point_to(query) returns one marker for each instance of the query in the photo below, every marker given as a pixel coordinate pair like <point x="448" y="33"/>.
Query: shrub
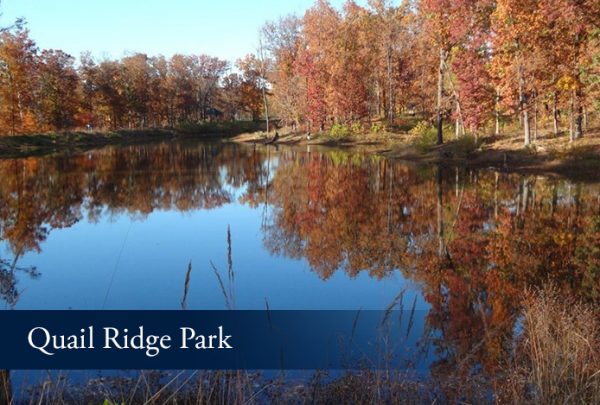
<point x="466" y="144"/>
<point x="340" y="131"/>
<point x="356" y="128"/>
<point x="420" y="128"/>
<point x="423" y="135"/>
<point x="378" y="128"/>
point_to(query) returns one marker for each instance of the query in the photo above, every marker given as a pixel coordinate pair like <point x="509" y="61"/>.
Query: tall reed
<point x="557" y="359"/>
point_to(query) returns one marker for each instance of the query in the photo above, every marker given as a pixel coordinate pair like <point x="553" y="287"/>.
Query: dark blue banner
<point x="211" y="339"/>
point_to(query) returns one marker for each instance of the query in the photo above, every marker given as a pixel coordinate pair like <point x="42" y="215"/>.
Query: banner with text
<point x="213" y="340"/>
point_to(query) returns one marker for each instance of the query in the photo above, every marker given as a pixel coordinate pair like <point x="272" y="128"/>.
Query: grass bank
<point x="35" y="144"/>
<point x="549" y="154"/>
<point x="410" y="141"/>
<point x="43" y="143"/>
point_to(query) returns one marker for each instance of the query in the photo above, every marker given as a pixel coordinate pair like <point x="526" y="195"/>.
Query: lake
<point x="300" y="228"/>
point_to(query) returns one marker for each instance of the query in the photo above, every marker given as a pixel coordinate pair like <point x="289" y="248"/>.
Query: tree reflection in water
<point x="472" y="240"/>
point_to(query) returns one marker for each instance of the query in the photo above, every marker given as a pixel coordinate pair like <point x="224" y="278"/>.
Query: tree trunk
<point x="496" y="185"/>
<point x="572" y="118"/>
<point x="526" y="131"/>
<point x="5" y="387"/>
<point x="523" y="108"/>
<point x="578" y="115"/>
<point x="439" y="212"/>
<point x="456" y="182"/>
<point x="579" y="123"/>
<point x="440" y="94"/>
<point x="460" y="127"/>
<point x="12" y="106"/>
<point x="555" y="113"/>
<point x="526" y="190"/>
<point x="457" y="129"/>
<point x="554" y="199"/>
<point x="379" y="99"/>
<point x="497" y="113"/>
<point x="264" y="94"/>
<point x="497" y="131"/>
<point x="390" y="87"/>
<point x="535" y="120"/>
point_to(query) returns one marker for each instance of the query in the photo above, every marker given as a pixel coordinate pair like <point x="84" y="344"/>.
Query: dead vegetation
<point x="557" y="358"/>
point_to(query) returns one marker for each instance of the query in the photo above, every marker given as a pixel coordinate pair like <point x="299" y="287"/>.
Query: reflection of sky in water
<point x="326" y="210"/>
<point x="331" y="210"/>
<point x="77" y="264"/>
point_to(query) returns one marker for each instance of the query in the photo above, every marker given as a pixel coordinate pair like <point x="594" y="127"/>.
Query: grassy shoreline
<point x="36" y="144"/>
<point x="550" y="155"/>
<point x="18" y="146"/>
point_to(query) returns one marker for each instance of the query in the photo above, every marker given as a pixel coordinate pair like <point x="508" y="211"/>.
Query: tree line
<point x="477" y="63"/>
<point x="49" y="90"/>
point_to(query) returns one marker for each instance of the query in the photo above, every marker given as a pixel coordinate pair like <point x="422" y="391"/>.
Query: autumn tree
<point x="281" y="41"/>
<point x="109" y="93"/>
<point x="474" y="93"/>
<point x="515" y="24"/>
<point x="18" y="77"/>
<point x="182" y="76"/>
<point x="208" y="71"/>
<point x="449" y="24"/>
<point x="232" y="96"/>
<point x="390" y="32"/>
<point x="161" y="93"/>
<point x="253" y="86"/>
<point x="438" y="20"/>
<point x="349" y="65"/>
<point x="321" y="24"/>
<point x="569" y="26"/>
<point x="136" y="76"/>
<point x="58" y="82"/>
<point x="87" y="71"/>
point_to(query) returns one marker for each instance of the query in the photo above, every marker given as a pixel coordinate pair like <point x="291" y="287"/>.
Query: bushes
<point x="423" y="135"/>
<point x="466" y="144"/>
<point x="343" y="131"/>
<point x="378" y="128"/>
<point x="339" y="131"/>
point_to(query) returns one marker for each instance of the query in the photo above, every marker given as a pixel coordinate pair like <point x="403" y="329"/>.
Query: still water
<point x="309" y="228"/>
<point x="118" y="228"/>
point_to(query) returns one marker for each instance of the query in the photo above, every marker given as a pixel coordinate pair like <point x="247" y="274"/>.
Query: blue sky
<point x="111" y="28"/>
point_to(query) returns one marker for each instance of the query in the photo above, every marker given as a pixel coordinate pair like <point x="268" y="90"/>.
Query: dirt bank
<point x="548" y="155"/>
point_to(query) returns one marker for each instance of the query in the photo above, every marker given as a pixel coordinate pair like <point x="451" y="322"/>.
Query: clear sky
<point x="111" y="28"/>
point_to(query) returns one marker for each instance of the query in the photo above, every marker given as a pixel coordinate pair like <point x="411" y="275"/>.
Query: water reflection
<point x="8" y="280"/>
<point x="340" y="211"/>
<point x="472" y="241"/>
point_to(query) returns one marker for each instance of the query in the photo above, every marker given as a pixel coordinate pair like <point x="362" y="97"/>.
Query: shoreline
<point x="22" y="146"/>
<point x="549" y="156"/>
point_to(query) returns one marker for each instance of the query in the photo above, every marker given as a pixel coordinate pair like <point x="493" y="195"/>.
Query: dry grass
<point x="149" y="387"/>
<point x="557" y="360"/>
<point x="238" y="388"/>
